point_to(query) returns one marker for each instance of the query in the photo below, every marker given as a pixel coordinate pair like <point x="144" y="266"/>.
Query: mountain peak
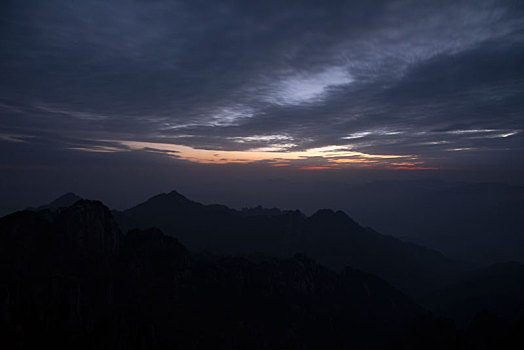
<point x="333" y="219"/>
<point x="338" y="215"/>
<point x="65" y="200"/>
<point x="172" y="196"/>
<point x="175" y="194"/>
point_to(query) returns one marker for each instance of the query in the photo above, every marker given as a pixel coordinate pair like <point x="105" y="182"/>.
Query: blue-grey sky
<point x="280" y="86"/>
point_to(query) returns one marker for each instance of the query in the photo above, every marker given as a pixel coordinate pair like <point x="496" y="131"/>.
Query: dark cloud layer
<point x="442" y="81"/>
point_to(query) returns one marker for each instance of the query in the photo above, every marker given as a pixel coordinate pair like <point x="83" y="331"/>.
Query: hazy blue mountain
<point x="332" y="238"/>
<point x="498" y="288"/>
<point x="475" y="222"/>
<point x="63" y="201"/>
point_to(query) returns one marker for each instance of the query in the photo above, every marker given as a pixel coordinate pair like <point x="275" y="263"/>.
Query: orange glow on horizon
<point x="317" y="168"/>
<point x="412" y="168"/>
<point x="352" y="161"/>
<point x="336" y="156"/>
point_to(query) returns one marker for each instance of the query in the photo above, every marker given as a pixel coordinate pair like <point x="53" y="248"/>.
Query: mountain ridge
<point x="89" y="285"/>
<point x="74" y="277"/>
<point x="331" y="237"/>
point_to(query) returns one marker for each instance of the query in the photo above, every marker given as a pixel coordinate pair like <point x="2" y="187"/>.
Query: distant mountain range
<point x="332" y="238"/>
<point x="78" y="279"/>
<point x="498" y="288"/>
<point x="76" y="273"/>
<point x="479" y="222"/>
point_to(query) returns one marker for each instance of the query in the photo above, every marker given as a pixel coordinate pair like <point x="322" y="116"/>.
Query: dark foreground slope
<point x="332" y="238"/>
<point x="73" y="280"/>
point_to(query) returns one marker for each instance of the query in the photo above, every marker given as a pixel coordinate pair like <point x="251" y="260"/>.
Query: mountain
<point x="260" y="211"/>
<point x="77" y="281"/>
<point x="478" y="222"/>
<point x="63" y="201"/>
<point x="498" y="288"/>
<point x="332" y="238"/>
<point x="51" y="209"/>
<point x="74" y="280"/>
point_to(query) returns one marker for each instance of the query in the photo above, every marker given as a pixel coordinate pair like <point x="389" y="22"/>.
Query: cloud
<point x="279" y="77"/>
<point x="307" y="88"/>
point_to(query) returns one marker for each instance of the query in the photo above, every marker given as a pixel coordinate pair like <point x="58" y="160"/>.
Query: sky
<point x="119" y="99"/>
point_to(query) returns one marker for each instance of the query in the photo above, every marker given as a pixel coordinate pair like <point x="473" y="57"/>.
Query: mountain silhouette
<point x="64" y="201"/>
<point x="332" y="238"/>
<point x="78" y="279"/>
<point x="498" y="288"/>
<point x="478" y="222"/>
<point x="261" y="211"/>
<point x="73" y="279"/>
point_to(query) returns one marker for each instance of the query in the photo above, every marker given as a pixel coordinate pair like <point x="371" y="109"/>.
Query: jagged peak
<point x="64" y="200"/>
<point x="170" y="196"/>
<point x="89" y="203"/>
<point x="176" y="194"/>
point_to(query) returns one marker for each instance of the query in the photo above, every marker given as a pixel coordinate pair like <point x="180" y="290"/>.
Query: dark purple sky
<point x="119" y="99"/>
